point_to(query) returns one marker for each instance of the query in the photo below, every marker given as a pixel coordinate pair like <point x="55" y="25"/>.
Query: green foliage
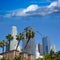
<point x="19" y="37"/>
<point x="30" y="34"/>
<point x="52" y="56"/>
<point x="9" y="37"/>
<point x="47" y="57"/>
<point x="17" y="58"/>
<point x="7" y="59"/>
<point x="39" y="59"/>
<point x="3" y="59"/>
<point x="20" y="58"/>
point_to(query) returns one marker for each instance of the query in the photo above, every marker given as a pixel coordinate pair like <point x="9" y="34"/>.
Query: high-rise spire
<point x="37" y="52"/>
<point x="14" y="42"/>
<point x="14" y="31"/>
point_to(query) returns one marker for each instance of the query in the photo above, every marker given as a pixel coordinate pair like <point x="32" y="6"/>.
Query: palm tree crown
<point x="2" y="44"/>
<point x="29" y="34"/>
<point x="19" y="37"/>
<point x="9" y="38"/>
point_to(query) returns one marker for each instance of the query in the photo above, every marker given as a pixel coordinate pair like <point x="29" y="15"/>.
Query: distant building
<point x="53" y="48"/>
<point x="46" y="45"/>
<point x="31" y="46"/>
<point x="14" y="42"/>
<point x="40" y="49"/>
<point x="38" y="55"/>
<point x="37" y="52"/>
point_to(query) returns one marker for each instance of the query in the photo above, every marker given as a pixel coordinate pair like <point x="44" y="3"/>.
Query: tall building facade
<point x="14" y="42"/>
<point x="40" y="49"/>
<point x="46" y="45"/>
<point x="31" y="46"/>
<point x="37" y="52"/>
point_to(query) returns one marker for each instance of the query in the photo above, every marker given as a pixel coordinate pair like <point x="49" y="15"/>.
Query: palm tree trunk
<point x="9" y="45"/>
<point x="27" y="43"/>
<point x="18" y="44"/>
<point x="3" y="52"/>
<point x="8" y="48"/>
<point x="17" y="47"/>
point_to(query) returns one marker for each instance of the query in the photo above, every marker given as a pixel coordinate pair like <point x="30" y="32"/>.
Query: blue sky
<point x="21" y="14"/>
<point x="14" y="4"/>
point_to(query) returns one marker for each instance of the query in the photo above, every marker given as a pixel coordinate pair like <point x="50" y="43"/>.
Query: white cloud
<point x="23" y="12"/>
<point x="53" y="4"/>
<point x="7" y="15"/>
<point x="33" y="10"/>
<point x="28" y="9"/>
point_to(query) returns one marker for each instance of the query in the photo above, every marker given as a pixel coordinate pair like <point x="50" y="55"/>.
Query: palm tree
<point x="19" y="38"/>
<point x="58" y="55"/>
<point x="52" y="55"/>
<point x="29" y="34"/>
<point x="7" y="46"/>
<point x="2" y="44"/>
<point x="9" y="38"/>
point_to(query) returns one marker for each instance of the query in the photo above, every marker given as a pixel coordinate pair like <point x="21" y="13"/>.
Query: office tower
<point x="53" y="48"/>
<point x="58" y="3"/>
<point x="14" y="42"/>
<point x="37" y="52"/>
<point x="31" y="46"/>
<point x="46" y="45"/>
<point x="40" y="49"/>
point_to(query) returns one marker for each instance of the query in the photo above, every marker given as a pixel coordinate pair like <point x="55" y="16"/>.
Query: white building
<point x="14" y="42"/>
<point x="37" y="52"/>
<point x="53" y="48"/>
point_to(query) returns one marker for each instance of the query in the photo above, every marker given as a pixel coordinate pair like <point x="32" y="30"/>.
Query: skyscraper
<point x="37" y="52"/>
<point x="40" y="49"/>
<point x="46" y="45"/>
<point x="31" y="46"/>
<point x="14" y="42"/>
<point x="38" y="55"/>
